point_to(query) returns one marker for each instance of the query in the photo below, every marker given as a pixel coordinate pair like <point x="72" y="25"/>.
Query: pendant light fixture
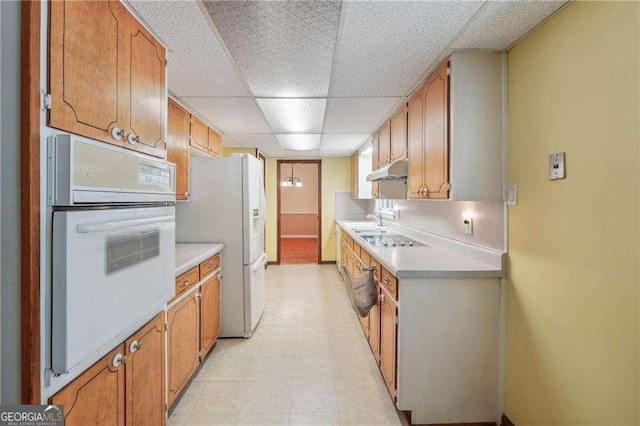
<point x="292" y="180"/>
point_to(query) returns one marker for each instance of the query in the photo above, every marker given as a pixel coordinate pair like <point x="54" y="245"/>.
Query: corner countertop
<point x="439" y="259"/>
<point x="190" y="255"/>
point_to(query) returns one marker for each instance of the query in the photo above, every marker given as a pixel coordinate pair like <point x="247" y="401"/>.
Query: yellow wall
<point x="335" y="177"/>
<point x="573" y="294"/>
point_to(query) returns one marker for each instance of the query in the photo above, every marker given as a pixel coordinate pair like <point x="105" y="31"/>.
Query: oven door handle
<point x="86" y="228"/>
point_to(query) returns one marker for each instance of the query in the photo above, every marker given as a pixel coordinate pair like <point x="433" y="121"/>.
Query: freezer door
<point x="254" y="296"/>
<point x="254" y="209"/>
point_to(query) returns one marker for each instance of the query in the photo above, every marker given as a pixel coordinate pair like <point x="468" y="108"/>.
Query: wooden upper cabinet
<point x="384" y="145"/>
<point x="354" y="175"/>
<point x="106" y="76"/>
<point x="375" y="163"/>
<point x="147" y="100"/>
<point x="178" y="146"/>
<point x="428" y="138"/>
<point x="209" y="314"/>
<point x="89" y="91"/>
<point x="399" y="135"/>
<point x="97" y="396"/>
<point x="215" y="143"/>
<point x="199" y="134"/>
<point x="145" y="375"/>
<point x="183" y="344"/>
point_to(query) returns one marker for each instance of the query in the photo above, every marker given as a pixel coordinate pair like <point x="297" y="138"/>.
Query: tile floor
<point x="308" y="363"/>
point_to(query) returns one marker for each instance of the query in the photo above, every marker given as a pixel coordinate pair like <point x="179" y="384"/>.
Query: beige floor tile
<point x="222" y="397"/>
<point x="241" y="348"/>
<point x="313" y="368"/>
<point x="212" y="419"/>
<point x="177" y="419"/>
<point x="309" y="396"/>
<point x="350" y="367"/>
<point x="313" y="346"/>
<point x="189" y="398"/>
<point x="268" y="397"/>
<point x="394" y="418"/>
<point x="278" y="347"/>
<point x="314" y="419"/>
<point x="364" y="418"/>
<point x="273" y="368"/>
<point x="358" y="395"/>
<point x="233" y="369"/>
<point x="259" y="419"/>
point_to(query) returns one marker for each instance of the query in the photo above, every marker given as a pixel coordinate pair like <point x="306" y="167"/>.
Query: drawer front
<point x="377" y="269"/>
<point x="356" y="249"/>
<point x="350" y="241"/>
<point x="209" y="265"/>
<point x="186" y="280"/>
<point x="390" y="283"/>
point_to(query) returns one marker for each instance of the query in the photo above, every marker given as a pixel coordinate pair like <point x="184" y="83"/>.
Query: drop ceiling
<point x="315" y="78"/>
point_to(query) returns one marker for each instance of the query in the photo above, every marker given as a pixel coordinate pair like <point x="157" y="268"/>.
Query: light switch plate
<point x="556" y="166"/>
<point x="512" y="195"/>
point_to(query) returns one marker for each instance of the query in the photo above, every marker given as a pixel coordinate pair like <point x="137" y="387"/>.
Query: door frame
<point x="278" y="181"/>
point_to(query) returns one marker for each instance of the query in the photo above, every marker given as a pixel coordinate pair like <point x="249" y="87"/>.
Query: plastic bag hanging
<point x="361" y="291"/>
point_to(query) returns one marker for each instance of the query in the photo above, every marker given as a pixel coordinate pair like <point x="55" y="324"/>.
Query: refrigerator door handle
<point x="259" y="263"/>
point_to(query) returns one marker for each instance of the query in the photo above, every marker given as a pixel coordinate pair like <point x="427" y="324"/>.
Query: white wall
<point x="9" y="202"/>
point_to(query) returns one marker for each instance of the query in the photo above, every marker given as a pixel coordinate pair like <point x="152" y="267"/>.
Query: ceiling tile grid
<point x="294" y="115"/>
<point x="357" y="115"/>
<point x="197" y="65"/>
<point x="284" y="49"/>
<point x="500" y="23"/>
<point x="302" y="154"/>
<point x="386" y="46"/>
<point x="232" y="115"/>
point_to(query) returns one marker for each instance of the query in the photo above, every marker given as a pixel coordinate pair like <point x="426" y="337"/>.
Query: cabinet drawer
<point x="186" y="280"/>
<point x="377" y="269"/>
<point x="209" y="265"/>
<point x="390" y="282"/>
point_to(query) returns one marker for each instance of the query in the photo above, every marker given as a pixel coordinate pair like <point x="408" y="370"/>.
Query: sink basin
<point x="371" y="229"/>
<point x="390" y="240"/>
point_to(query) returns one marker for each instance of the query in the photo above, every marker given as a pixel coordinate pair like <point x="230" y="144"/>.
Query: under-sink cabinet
<point x="126" y="387"/>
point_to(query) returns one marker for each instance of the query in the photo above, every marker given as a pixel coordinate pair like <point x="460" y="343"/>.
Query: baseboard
<point x="327" y="262"/>
<point x="506" y="421"/>
<point x="271" y="262"/>
<point x="299" y="236"/>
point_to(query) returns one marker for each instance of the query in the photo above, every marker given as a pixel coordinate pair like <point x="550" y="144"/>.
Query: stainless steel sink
<point x="390" y="240"/>
<point x="372" y="229"/>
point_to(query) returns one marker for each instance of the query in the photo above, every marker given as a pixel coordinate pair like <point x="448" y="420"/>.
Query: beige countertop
<point x="438" y="259"/>
<point x="190" y="255"/>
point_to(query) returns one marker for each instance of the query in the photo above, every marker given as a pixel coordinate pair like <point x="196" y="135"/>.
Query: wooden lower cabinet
<point x="182" y="343"/>
<point x="388" y="342"/>
<point x="97" y="396"/>
<point x="145" y="375"/>
<point x="209" y="314"/>
<point x="374" y="327"/>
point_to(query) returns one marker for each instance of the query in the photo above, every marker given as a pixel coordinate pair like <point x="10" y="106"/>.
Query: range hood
<point x="394" y="171"/>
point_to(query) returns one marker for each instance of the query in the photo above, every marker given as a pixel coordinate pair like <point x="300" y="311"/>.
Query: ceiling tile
<point x="197" y="65"/>
<point x="501" y="23"/>
<point x="294" y="115"/>
<point x="353" y="115"/>
<point x="273" y="154"/>
<point x="299" y="142"/>
<point x="343" y="142"/>
<point x="385" y="47"/>
<point x="228" y="142"/>
<point x="264" y="142"/>
<point x="302" y="154"/>
<point x="283" y="49"/>
<point x="336" y="153"/>
<point x="231" y="115"/>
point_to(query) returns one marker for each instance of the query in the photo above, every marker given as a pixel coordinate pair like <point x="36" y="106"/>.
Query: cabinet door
<point x="148" y="95"/>
<point x="384" y="145"/>
<point x="388" y="341"/>
<point x="215" y="143"/>
<point x="183" y="343"/>
<point x="87" y="68"/>
<point x="199" y="134"/>
<point x="415" y="140"/>
<point x="178" y="146"/>
<point x="97" y="396"/>
<point x="399" y="135"/>
<point x="209" y="314"/>
<point x="436" y="135"/>
<point x="145" y="375"/>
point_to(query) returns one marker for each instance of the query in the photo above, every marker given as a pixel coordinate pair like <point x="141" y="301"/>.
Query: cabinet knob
<point x="118" y="360"/>
<point x="133" y="139"/>
<point x="219" y="276"/>
<point x="117" y="133"/>
<point x="187" y="194"/>
<point x="381" y="298"/>
<point x="134" y="346"/>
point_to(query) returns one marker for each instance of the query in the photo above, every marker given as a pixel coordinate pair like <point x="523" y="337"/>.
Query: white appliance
<point x="227" y="205"/>
<point x="113" y="247"/>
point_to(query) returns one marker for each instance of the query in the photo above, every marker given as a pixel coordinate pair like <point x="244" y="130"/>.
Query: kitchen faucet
<point x="377" y="217"/>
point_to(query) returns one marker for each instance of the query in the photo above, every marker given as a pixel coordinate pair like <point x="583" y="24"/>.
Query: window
<point x="386" y="208"/>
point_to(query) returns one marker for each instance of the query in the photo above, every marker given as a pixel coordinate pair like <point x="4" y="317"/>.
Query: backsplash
<point x="444" y="218"/>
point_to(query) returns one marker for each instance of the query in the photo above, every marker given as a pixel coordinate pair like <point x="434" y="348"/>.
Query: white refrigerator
<point x="228" y="206"/>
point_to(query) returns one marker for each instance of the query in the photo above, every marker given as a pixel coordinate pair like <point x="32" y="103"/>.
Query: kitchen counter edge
<point x="190" y="255"/>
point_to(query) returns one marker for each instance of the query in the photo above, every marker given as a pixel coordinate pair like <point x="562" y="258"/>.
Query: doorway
<point x="299" y="211"/>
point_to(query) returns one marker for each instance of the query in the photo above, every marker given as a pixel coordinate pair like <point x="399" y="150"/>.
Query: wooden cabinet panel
<point x="390" y="283"/>
<point x="354" y="175"/>
<point x="178" y="146"/>
<point x="183" y="344"/>
<point x="145" y="375"/>
<point x="199" y="134"/>
<point x="415" y="144"/>
<point x="147" y="100"/>
<point x="436" y="135"/>
<point x="186" y="280"/>
<point x="97" y="396"/>
<point x="374" y="327"/>
<point x="375" y="155"/>
<point x="209" y="265"/>
<point x="89" y="91"/>
<point x="215" y="143"/>
<point x="399" y="135"/>
<point x="384" y="145"/>
<point x="388" y="342"/>
<point x="209" y="314"/>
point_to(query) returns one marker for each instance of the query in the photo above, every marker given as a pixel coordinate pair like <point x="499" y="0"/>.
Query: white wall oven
<point x="112" y="248"/>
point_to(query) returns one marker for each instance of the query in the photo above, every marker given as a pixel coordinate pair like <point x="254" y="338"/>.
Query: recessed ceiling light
<point x="299" y="142"/>
<point x="294" y="115"/>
